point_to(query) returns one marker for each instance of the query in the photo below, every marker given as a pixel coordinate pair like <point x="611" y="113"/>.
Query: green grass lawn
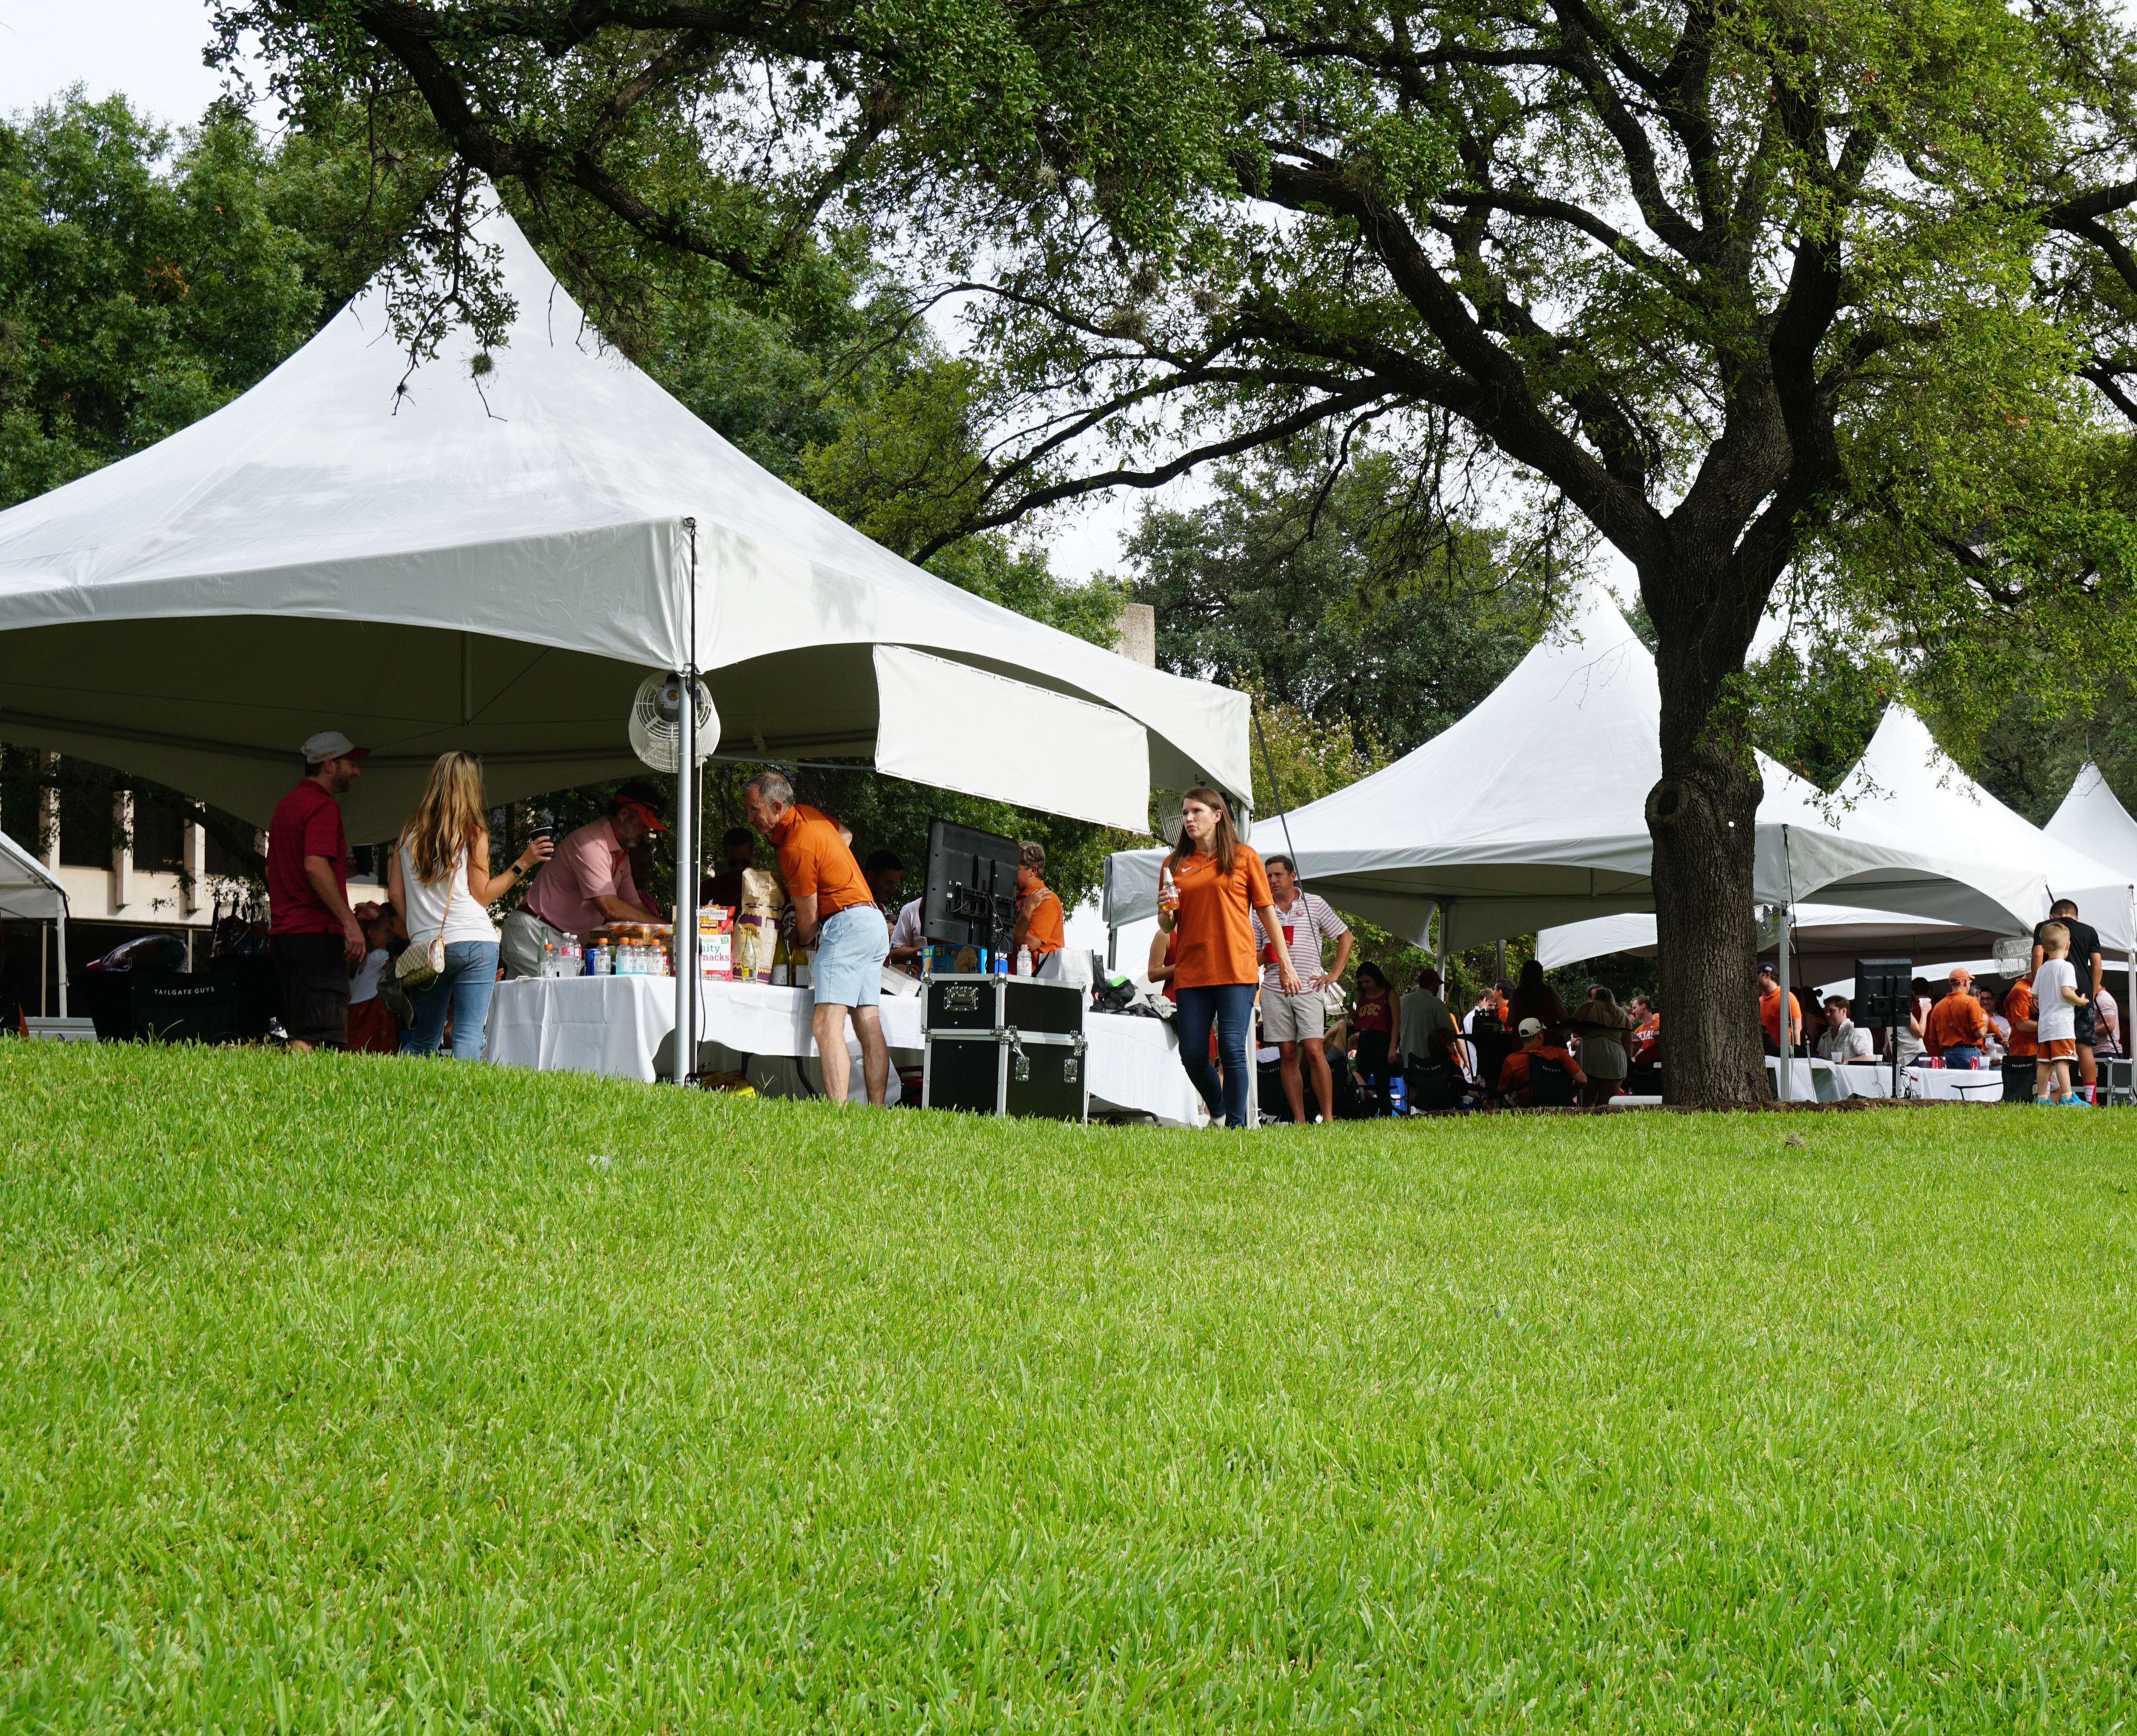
<point x="350" y="1394"/>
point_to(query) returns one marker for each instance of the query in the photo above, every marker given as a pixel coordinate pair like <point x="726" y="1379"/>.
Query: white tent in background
<point x="1905" y="778"/>
<point x="1824" y="940"/>
<point x="493" y="560"/>
<point x="1530" y="812"/>
<point x="28" y="893"/>
<point x="2092" y="821"/>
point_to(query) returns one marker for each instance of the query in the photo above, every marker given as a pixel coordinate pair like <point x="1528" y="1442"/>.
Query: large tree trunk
<point x="1701" y="816"/>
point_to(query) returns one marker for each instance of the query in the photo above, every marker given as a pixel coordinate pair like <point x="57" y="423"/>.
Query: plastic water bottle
<point x="1024" y="961"/>
<point x="1001" y="964"/>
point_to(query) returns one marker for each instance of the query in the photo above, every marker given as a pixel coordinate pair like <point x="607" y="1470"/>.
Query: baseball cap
<point x="646" y="811"/>
<point x="1530" y="1028"/>
<point x="1766" y="971"/>
<point x="331" y="744"/>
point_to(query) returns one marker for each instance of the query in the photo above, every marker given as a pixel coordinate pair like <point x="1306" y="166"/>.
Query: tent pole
<point x="687" y="964"/>
<point x="59" y="924"/>
<point x="1788" y="1050"/>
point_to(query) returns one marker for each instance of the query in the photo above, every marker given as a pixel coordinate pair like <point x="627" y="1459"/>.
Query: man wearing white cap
<point x="313" y="934"/>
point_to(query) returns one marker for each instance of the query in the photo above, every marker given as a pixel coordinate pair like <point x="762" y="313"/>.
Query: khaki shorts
<point x="1293" y="1017"/>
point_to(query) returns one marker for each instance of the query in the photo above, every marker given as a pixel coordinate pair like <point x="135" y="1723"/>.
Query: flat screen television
<point x="1884" y="991"/>
<point x="971" y="894"/>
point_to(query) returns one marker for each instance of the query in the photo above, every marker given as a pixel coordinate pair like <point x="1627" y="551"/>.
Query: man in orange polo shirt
<point x="835" y="914"/>
<point x="1956" y="1026"/>
<point x="1039" y="920"/>
<point x="2019" y="1009"/>
<point x="1770" y="1013"/>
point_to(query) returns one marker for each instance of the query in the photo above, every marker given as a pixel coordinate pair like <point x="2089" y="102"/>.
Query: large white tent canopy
<point x="2091" y="821"/>
<point x="494" y="562"/>
<point x="1905" y="779"/>
<point x="1530" y="812"/>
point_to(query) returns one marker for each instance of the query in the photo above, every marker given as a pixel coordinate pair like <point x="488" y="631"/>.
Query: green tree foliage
<point x="1327" y="602"/>
<point x="133" y="301"/>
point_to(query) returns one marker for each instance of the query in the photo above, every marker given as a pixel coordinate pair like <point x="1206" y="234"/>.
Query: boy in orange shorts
<point x="2055" y="988"/>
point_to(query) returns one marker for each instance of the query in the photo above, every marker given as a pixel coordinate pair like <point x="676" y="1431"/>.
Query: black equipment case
<point x="1005" y="1045"/>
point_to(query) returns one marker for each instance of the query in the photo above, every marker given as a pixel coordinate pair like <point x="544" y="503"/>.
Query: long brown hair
<point x="1222" y="842"/>
<point x="448" y="820"/>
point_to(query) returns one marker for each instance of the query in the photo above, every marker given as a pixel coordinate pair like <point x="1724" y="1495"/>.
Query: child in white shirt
<point x="2055" y="989"/>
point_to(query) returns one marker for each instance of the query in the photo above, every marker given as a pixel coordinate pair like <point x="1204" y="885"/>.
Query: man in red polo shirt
<point x="312" y="934"/>
<point x="836" y="916"/>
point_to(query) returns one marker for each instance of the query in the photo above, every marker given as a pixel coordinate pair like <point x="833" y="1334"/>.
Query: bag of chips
<point x="757" y="925"/>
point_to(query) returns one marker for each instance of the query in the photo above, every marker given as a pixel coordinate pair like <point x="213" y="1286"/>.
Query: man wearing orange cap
<point x="586" y="883"/>
<point x="1956" y="1026"/>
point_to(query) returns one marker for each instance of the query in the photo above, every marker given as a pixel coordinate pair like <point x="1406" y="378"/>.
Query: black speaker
<point x="1884" y="991"/>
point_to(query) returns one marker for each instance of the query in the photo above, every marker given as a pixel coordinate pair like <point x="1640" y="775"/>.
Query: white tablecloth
<point x="1814" y="1079"/>
<point x="1937" y="1084"/>
<point x="617" y="1025"/>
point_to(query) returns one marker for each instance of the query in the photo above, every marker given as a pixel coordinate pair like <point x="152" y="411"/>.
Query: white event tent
<point x="28" y="893"/>
<point x="1905" y="778"/>
<point x="2090" y="821"/>
<point x="1824" y="940"/>
<point x="493" y="560"/>
<point x="1530" y="812"/>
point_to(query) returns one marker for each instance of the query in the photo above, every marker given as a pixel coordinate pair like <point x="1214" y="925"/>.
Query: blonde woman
<point x="442" y="881"/>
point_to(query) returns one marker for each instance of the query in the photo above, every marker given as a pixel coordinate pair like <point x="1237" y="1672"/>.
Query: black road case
<point x="1005" y="1045"/>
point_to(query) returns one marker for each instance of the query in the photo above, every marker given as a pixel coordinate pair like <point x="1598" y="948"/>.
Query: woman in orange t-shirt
<point x="1207" y="890"/>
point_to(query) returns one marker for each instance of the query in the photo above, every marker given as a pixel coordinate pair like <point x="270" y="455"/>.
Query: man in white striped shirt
<point x="1290" y="1020"/>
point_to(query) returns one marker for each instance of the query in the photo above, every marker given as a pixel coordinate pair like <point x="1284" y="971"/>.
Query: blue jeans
<point x="463" y="990"/>
<point x="1231" y="1007"/>
<point x="1961" y="1054"/>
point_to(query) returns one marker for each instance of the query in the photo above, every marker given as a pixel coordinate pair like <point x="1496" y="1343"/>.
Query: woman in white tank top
<point x="441" y="884"/>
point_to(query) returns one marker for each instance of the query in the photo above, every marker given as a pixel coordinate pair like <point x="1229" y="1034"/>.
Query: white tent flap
<point x="961" y="728"/>
<point x="28" y="892"/>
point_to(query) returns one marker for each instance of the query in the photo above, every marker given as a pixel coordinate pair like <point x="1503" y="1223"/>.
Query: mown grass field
<point x="354" y="1394"/>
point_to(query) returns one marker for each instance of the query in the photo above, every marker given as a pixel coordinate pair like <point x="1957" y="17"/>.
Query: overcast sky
<point x="148" y="49"/>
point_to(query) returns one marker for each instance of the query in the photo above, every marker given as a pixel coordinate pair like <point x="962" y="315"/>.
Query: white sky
<point x="148" y="49"/>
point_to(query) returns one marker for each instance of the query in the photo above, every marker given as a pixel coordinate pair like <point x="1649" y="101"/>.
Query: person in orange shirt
<point x="1514" y="1081"/>
<point x="1956" y="1024"/>
<point x="1770" y="1013"/>
<point x="2024" y="1017"/>
<point x="835" y="914"/>
<point x="1208" y="888"/>
<point x="1038" y="924"/>
<point x="1646" y="1030"/>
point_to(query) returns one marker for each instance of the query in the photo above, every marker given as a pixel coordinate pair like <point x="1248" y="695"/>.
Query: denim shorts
<point x="851" y="948"/>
